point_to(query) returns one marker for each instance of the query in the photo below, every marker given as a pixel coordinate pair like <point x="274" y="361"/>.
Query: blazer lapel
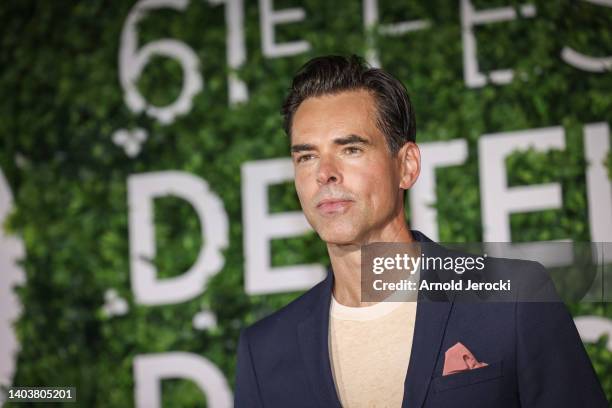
<point x="430" y="324"/>
<point x="313" y="340"/>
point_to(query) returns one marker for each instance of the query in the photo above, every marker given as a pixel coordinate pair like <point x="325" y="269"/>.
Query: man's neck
<point x="346" y="265"/>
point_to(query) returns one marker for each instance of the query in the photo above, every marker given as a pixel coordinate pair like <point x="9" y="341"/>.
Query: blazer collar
<point x="431" y="320"/>
<point x="313" y="335"/>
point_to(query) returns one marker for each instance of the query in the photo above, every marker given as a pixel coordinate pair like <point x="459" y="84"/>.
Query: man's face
<point x="345" y="177"/>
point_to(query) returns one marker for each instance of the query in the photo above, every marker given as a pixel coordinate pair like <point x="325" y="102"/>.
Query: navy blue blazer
<point x="534" y="354"/>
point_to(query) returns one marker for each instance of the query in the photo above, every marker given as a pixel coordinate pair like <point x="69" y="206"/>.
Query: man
<point x="352" y="132"/>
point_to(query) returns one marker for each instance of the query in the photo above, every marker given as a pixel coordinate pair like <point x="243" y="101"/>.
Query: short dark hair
<point x="333" y="74"/>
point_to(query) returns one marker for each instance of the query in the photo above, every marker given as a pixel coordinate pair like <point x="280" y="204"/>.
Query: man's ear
<point x="409" y="157"/>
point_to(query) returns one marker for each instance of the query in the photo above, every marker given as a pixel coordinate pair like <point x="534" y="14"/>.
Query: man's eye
<point x="352" y="150"/>
<point x="304" y="158"/>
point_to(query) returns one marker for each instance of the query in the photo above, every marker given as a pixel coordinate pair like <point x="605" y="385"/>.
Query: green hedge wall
<point x="62" y="101"/>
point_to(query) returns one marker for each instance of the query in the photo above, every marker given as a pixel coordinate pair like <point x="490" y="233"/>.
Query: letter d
<point x="142" y="190"/>
<point x="151" y="369"/>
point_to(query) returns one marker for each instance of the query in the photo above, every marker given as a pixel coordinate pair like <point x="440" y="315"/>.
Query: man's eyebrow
<point x="351" y="139"/>
<point x="302" y="147"/>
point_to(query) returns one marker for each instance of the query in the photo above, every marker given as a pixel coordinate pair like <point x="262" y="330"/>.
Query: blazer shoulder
<point x="531" y="280"/>
<point x="288" y="317"/>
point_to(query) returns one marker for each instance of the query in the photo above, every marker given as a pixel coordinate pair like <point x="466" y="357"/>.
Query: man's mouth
<point x="333" y="206"/>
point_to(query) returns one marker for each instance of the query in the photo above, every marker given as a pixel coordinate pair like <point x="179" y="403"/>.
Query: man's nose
<point x="328" y="171"/>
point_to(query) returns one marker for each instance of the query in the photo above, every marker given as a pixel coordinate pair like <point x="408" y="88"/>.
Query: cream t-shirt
<point x="369" y="352"/>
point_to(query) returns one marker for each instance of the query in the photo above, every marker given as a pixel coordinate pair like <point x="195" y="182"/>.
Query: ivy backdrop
<point x="62" y="102"/>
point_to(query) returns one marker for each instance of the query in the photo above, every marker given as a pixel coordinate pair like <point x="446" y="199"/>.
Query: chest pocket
<point x="469" y="377"/>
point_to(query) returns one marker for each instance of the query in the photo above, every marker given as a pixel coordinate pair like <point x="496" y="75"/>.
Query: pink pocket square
<point x="458" y="358"/>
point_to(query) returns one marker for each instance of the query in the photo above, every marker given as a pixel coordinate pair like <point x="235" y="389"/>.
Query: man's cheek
<point x="299" y="188"/>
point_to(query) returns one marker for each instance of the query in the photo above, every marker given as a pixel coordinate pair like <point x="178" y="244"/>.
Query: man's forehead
<point x="329" y="117"/>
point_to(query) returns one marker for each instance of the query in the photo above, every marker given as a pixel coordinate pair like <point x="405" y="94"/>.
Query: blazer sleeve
<point x="553" y="367"/>
<point x="247" y="391"/>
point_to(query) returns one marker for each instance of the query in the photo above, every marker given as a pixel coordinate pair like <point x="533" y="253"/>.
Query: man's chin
<point x="338" y="236"/>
